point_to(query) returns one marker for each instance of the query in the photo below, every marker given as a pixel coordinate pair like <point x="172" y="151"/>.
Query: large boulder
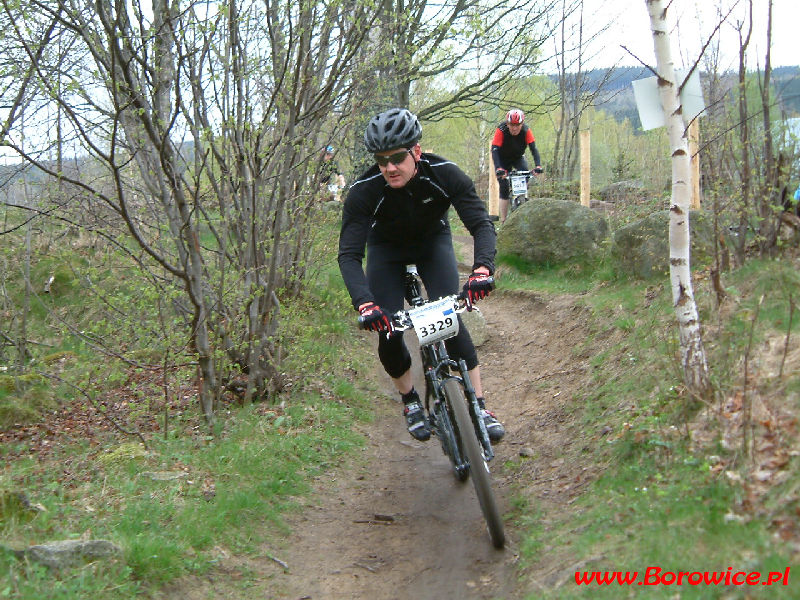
<point x="475" y="323"/>
<point x="547" y="231"/>
<point x="641" y="249"/>
<point x="622" y="191"/>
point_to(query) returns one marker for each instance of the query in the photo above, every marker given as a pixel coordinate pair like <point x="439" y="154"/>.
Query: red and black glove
<point x="374" y="318"/>
<point x="500" y="173"/>
<point x="478" y="286"/>
<point x="538" y="170"/>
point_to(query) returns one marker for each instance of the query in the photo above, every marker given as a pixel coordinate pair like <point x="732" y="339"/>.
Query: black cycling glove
<point x="478" y="286"/>
<point x="374" y="318"/>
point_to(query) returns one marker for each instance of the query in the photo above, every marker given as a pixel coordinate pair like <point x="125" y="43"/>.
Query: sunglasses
<point x="395" y="158"/>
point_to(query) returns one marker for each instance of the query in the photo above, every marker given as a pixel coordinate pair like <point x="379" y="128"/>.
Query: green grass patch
<point x="109" y="581"/>
<point x="658" y="502"/>
<point x="24" y="398"/>
<point x="232" y="491"/>
<point x="671" y="514"/>
<point x="173" y="507"/>
<point x="519" y="274"/>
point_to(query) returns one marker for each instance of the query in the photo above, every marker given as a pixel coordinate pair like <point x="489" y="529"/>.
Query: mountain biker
<point x="508" y="153"/>
<point x="330" y="170"/>
<point x="397" y="211"/>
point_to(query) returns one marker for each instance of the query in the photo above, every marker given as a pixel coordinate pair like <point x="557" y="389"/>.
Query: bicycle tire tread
<point x="479" y="470"/>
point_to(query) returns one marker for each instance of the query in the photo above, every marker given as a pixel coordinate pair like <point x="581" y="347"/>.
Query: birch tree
<point x="693" y="358"/>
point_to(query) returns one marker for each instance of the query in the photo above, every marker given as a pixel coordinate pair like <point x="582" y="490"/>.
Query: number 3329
<point x="440" y="325"/>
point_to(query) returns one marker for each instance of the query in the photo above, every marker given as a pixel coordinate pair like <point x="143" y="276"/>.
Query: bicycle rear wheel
<point x="481" y="478"/>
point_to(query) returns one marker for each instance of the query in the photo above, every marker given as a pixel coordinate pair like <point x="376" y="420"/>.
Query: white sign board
<point x="648" y="100"/>
<point x="519" y="185"/>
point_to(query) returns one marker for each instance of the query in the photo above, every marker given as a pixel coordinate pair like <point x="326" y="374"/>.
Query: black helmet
<point x="393" y="128"/>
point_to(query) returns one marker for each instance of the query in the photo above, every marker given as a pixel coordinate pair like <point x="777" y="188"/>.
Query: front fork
<point x="475" y="412"/>
<point x="433" y="389"/>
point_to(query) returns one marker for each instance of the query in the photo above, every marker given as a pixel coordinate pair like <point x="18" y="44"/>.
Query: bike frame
<point x="451" y="405"/>
<point x="438" y="367"/>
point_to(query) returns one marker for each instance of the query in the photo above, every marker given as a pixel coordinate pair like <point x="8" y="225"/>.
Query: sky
<point x="691" y="23"/>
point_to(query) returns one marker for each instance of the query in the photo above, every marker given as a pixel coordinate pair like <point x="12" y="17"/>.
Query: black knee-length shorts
<point x="437" y="266"/>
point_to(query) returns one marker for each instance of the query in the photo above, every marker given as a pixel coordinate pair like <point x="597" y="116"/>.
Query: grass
<point x="227" y="492"/>
<point x="250" y="474"/>
<point x="558" y="279"/>
<point x="666" y="513"/>
<point x="663" y="500"/>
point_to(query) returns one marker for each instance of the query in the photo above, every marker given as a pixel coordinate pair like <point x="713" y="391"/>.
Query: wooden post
<point x="694" y="143"/>
<point x="586" y="166"/>
<point x="494" y="188"/>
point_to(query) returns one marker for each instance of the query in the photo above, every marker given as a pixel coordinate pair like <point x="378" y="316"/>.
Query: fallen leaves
<point x="759" y="432"/>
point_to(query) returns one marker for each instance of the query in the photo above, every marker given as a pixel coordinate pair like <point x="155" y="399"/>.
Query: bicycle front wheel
<point x="479" y="470"/>
<point x="447" y="436"/>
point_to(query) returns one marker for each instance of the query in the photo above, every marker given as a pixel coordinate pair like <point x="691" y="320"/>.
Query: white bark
<point x="693" y="357"/>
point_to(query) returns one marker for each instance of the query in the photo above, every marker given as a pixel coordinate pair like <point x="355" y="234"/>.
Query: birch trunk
<point x="693" y="358"/>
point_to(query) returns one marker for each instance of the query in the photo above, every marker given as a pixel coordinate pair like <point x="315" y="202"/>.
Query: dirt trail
<point x="394" y="524"/>
<point x="434" y="543"/>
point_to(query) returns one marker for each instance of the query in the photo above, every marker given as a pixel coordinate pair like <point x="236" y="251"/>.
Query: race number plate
<point x="435" y="321"/>
<point x="519" y="185"/>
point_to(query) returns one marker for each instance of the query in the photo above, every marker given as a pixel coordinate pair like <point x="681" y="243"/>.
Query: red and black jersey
<point x="507" y="149"/>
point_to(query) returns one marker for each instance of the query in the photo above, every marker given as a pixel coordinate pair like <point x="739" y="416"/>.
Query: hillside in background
<point x="618" y="100"/>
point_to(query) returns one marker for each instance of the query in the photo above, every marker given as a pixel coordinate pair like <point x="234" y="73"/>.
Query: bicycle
<point x="519" y="188"/>
<point x="451" y="406"/>
<point x="333" y="190"/>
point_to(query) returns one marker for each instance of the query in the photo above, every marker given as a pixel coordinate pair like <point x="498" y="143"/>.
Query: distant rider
<point x="508" y="153"/>
<point x="330" y="173"/>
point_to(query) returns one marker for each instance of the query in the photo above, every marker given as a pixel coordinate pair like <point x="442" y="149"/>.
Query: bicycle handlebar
<point x="401" y="321"/>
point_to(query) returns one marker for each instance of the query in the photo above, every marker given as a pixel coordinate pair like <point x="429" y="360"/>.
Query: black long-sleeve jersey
<point x="376" y="213"/>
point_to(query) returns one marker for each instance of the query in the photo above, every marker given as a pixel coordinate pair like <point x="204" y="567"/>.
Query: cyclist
<point x="508" y="152"/>
<point x="397" y="212"/>
<point x="330" y="170"/>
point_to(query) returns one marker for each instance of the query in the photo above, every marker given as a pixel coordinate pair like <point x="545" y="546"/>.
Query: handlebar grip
<point x="490" y="280"/>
